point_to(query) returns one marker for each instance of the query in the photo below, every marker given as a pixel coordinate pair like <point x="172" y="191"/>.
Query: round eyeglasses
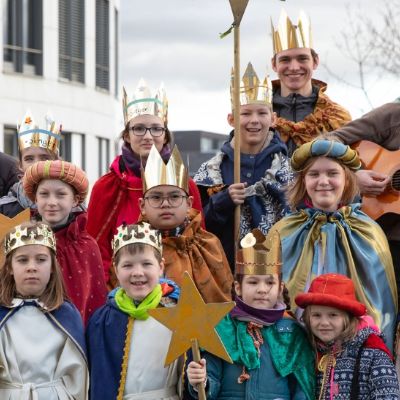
<point x="174" y="200"/>
<point x="140" y="130"/>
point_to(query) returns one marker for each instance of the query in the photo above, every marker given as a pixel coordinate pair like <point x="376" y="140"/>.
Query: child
<point x="115" y="196"/>
<point x="166" y="205"/>
<point x="352" y="360"/>
<point x="328" y="234"/>
<point x="264" y="170"/>
<point x="57" y="187"/>
<point x="271" y="356"/>
<point x="35" y="144"/>
<point x="42" y="345"/>
<point x="127" y="347"/>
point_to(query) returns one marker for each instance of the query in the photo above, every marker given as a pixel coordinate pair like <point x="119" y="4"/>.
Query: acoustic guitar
<point x="377" y="158"/>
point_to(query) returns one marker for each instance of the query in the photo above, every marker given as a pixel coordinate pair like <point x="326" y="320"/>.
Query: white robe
<point x="39" y="361"/>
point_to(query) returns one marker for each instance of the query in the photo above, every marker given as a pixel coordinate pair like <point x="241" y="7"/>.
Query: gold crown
<point x="24" y="235"/>
<point x="136" y="233"/>
<point x="251" y="90"/>
<point x="158" y="173"/>
<point x="260" y="254"/>
<point x="289" y="36"/>
<point x="30" y="135"/>
<point x="143" y="103"/>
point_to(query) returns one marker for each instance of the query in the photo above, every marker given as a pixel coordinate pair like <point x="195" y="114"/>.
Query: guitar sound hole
<point x="396" y="180"/>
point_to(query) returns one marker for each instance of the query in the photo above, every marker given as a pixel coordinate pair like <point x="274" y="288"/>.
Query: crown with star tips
<point x="136" y="233"/>
<point x="260" y="254"/>
<point x="252" y="90"/>
<point x="31" y="135"/>
<point x="143" y="102"/>
<point x="26" y="234"/>
<point x="290" y="36"/>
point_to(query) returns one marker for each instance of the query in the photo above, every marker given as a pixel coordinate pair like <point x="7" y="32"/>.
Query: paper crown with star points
<point x="157" y="172"/>
<point x="252" y="91"/>
<point x="27" y="234"/>
<point x="260" y="254"/>
<point x="290" y="36"/>
<point x="143" y="102"/>
<point x="31" y="135"/>
<point x="136" y="233"/>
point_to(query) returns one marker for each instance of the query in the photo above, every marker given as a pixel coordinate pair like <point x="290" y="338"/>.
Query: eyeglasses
<point x="174" y="200"/>
<point x="140" y="130"/>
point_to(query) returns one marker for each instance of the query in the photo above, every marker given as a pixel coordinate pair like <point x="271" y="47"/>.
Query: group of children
<point x="145" y="217"/>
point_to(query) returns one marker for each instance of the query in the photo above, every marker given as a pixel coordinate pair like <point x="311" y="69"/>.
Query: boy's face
<point x="55" y="200"/>
<point x="255" y="122"/>
<point x="165" y="206"/>
<point x="32" y="155"/>
<point x="138" y="274"/>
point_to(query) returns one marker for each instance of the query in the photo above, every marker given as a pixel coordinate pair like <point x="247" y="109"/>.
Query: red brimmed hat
<point x="332" y="290"/>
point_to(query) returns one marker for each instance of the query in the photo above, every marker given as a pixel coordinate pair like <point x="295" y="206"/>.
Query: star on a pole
<point x="193" y="319"/>
<point x="238" y="8"/>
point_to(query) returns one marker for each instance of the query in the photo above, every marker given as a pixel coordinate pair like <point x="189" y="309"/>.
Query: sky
<point x="177" y="42"/>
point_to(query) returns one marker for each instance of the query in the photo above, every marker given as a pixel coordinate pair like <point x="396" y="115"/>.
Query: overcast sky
<point x="177" y="42"/>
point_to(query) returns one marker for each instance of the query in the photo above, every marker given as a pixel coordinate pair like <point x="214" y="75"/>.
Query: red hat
<point x="332" y="290"/>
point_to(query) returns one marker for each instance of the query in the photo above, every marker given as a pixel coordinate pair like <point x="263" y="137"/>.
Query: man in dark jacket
<point x="8" y="173"/>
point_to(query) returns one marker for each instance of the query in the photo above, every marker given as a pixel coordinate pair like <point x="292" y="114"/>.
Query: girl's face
<point x="32" y="155"/>
<point x="327" y="323"/>
<point x="325" y="182"/>
<point x="31" y="268"/>
<point x="55" y="199"/>
<point x="138" y="274"/>
<point x="141" y="145"/>
<point x="260" y="291"/>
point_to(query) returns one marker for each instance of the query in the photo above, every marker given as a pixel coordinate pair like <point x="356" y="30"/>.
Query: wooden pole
<point x="196" y="357"/>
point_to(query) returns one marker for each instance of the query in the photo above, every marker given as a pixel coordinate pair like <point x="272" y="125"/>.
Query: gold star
<point x="6" y="224"/>
<point x="193" y="319"/>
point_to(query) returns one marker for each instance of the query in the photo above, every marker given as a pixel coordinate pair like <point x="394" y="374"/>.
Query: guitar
<point x="377" y="158"/>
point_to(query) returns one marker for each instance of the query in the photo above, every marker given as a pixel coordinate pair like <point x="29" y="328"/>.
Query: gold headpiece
<point x="260" y="254"/>
<point x="158" y="173"/>
<point x="30" y="135"/>
<point x="289" y="36"/>
<point x="136" y="233"/>
<point x="252" y="91"/>
<point x="143" y="103"/>
<point x="24" y="235"/>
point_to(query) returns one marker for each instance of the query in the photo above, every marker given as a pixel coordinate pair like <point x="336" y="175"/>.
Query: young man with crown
<point x="126" y="346"/>
<point x="167" y="206"/>
<point x="35" y="144"/>
<point x="264" y="170"/>
<point x="115" y="196"/>
<point x="304" y="110"/>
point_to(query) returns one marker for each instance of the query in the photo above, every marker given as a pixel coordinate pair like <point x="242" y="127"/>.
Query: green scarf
<point x="126" y="304"/>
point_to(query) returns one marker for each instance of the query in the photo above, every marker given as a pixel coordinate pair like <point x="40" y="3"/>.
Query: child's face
<point x="165" y="206"/>
<point x="325" y="181"/>
<point x="55" y="199"/>
<point x="260" y="291"/>
<point x="31" y="268"/>
<point x="326" y="323"/>
<point x="255" y="122"/>
<point x="32" y="155"/>
<point x="138" y="274"/>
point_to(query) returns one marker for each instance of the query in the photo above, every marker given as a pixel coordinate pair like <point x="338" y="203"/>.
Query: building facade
<point x="60" y="57"/>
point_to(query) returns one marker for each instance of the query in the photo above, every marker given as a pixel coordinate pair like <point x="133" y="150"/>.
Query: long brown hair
<point x="54" y="293"/>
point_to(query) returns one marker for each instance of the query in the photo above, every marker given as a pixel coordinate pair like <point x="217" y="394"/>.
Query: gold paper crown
<point x="158" y="173"/>
<point x="289" y="36"/>
<point x="143" y="103"/>
<point x="251" y="90"/>
<point x="137" y="233"/>
<point x="260" y="254"/>
<point x="24" y="235"/>
<point x="30" y="135"/>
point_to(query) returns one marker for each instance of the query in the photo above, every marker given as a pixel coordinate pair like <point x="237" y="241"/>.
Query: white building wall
<point x="81" y="108"/>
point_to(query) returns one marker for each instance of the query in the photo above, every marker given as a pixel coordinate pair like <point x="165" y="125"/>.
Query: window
<point x="102" y="45"/>
<point x="206" y="145"/>
<point x="104" y="151"/>
<point x="65" y="146"/>
<point x="22" y="36"/>
<point x="71" y="40"/>
<point x="11" y="142"/>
